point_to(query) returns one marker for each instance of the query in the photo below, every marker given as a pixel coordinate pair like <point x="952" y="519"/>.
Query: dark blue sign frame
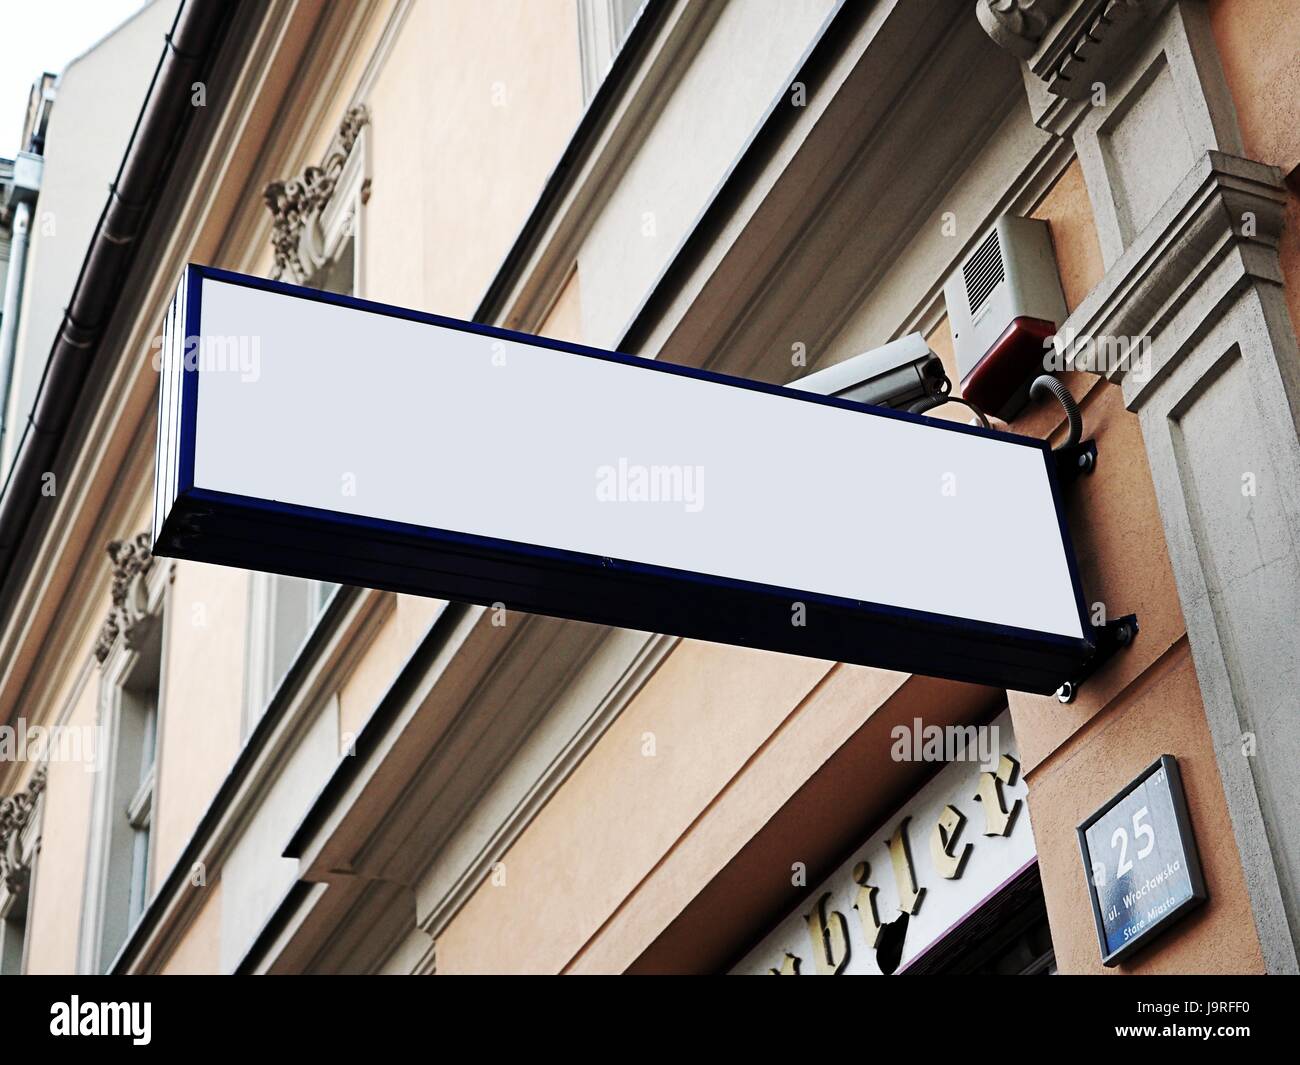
<point x="1190" y="858"/>
<point x="191" y="522"/>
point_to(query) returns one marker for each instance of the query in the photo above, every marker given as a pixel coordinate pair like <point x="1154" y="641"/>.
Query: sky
<point x="40" y="35"/>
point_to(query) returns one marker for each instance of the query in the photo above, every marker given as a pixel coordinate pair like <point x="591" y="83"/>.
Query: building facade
<point x="210" y="770"/>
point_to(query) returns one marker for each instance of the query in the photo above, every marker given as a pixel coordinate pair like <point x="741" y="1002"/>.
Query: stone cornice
<point x="1091" y="44"/>
<point x="1070" y="45"/>
<point x="1224" y="207"/>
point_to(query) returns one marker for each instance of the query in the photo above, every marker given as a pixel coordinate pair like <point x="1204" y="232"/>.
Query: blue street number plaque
<point x="1140" y="859"/>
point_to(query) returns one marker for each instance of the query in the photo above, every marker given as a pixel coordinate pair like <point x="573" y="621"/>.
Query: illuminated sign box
<point x="328" y="437"/>
<point x="1140" y="857"/>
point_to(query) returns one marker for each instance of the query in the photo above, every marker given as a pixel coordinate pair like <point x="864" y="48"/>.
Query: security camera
<point x="904" y="374"/>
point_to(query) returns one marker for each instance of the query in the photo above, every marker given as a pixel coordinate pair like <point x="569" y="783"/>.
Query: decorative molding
<point x="296" y="205"/>
<point x="1070" y="45"/>
<point x="1225" y="206"/>
<point x="427" y="963"/>
<point x="132" y="561"/>
<point x="327" y="75"/>
<point x="1094" y="51"/>
<point x="16" y="814"/>
<point x="1019" y="26"/>
<point x="1174" y="93"/>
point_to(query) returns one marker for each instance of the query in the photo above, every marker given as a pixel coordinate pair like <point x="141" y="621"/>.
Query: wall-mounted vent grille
<point x="983" y="272"/>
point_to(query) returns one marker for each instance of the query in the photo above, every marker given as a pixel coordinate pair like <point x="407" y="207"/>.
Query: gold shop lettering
<point x="829" y="928"/>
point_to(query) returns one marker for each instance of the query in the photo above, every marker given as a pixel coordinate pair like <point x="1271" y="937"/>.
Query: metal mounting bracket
<point x="1075" y="460"/>
<point x="1110" y="638"/>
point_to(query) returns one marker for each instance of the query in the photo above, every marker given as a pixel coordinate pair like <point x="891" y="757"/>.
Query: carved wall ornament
<point x="296" y="205"/>
<point x="15" y="815"/>
<point x="1019" y="26"/>
<point x="132" y="560"/>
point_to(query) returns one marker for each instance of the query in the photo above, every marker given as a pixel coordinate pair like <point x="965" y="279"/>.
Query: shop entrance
<point x="1009" y="936"/>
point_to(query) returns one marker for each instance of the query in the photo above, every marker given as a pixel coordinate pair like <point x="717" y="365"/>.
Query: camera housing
<point x="903" y="375"/>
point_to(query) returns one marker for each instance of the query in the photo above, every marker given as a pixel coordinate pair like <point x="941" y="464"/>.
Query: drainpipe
<point x="13" y="300"/>
<point x="23" y="190"/>
<point x="188" y="55"/>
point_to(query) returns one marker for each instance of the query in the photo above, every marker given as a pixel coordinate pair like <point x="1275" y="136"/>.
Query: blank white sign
<point x="364" y="413"/>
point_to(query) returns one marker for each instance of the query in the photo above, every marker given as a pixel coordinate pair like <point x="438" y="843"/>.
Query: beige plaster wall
<point x="54" y="919"/>
<point x="1259" y="44"/>
<point x="202" y="703"/>
<point x="1068" y="212"/>
<point x="470" y="115"/>
<point x="1161" y="714"/>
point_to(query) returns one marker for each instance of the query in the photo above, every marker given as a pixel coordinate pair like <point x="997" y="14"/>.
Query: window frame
<point x="115" y="798"/>
<point x="601" y="37"/>
<point x="259" y="655"/>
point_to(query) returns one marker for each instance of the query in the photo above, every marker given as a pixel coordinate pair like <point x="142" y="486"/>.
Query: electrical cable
<point x="939" y="399"/>
<point x="1047" y="385"/>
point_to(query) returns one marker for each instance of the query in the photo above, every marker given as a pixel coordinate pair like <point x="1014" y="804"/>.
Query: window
<point x="339" y="272"/>
<point x="131" y="659"/>
<point x="124" y="797"/>
<point x="13" y="934"/>
<point x="131" y="711"/>
<point x="284" y="612"/>
<point x="133" y="770"/>
<point x="603" y="27"/>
